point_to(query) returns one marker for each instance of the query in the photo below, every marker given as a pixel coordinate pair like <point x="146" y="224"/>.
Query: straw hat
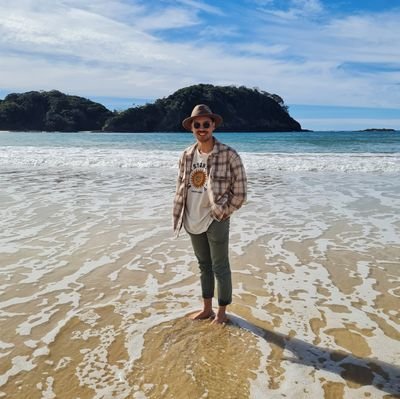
<point x="201" y="110"/>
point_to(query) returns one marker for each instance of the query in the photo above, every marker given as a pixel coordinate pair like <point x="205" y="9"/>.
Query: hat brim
<point x="187" y="123"/>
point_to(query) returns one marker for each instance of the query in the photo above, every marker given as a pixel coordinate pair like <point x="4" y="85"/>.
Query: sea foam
<point x="79" y="157"/>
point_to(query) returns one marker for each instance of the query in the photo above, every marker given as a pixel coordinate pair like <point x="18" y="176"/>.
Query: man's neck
<point x="205" y="147"/>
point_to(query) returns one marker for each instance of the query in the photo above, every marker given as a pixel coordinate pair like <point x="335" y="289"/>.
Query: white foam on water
<point x="31" y="343"/>
<point x="259" y="384"/>
<point x="43" y="351"/>
<point x="81" y="157"/>
<point x="19" y="363"/>
<point x="6" y="345"/>
<point x="99" y="219"/>
<point x="48" y="393"/>
<point x="327" y="162"/>
<point x="89" y="317"/>
<point x="63" y="363"/>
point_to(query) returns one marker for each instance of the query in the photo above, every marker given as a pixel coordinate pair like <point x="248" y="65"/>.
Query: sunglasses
<point x="197" y="125"/>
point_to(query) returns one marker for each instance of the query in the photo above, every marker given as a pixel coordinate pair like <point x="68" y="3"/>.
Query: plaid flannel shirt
<point x="227" y="187"/>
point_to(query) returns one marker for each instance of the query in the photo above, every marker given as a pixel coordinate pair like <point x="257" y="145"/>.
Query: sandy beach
<point x="95" y="291"/>
<point x="100" y="102"/>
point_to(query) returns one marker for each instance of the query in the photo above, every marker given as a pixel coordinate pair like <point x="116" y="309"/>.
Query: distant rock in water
<point x="243" y="109"/>
<point x="51" y="111"/>
<point x="378" y="130"/>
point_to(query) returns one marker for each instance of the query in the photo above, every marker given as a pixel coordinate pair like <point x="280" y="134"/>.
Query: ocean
<point x="95" y="290"/>
<point x="297" y="151"/>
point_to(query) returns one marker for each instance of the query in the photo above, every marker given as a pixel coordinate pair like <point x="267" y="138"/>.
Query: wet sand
<point x="95" y="292"/>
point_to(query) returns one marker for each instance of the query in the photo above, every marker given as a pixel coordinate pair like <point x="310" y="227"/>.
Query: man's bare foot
<point x="220" y="320"/>
<point x="202" y="315"/>
<point x="220" y="317"/>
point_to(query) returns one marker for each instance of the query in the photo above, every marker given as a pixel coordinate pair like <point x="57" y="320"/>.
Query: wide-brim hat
<point x="201" y="110"/>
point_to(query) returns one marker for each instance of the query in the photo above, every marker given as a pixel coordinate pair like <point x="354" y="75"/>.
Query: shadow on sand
<point x="361" y="371"/>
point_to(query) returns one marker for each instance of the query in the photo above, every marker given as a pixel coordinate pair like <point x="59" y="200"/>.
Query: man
<point x="211" y="185"/>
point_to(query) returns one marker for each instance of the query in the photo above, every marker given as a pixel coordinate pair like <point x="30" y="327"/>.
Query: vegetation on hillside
<point x="51" y="111"/>
<point x="243" y="109"/>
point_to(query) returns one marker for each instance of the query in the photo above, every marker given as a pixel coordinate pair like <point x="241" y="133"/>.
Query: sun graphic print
<point x="198" y="178"/>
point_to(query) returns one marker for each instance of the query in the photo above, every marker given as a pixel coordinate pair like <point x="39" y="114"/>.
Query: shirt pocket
<point x="221" y="182"/>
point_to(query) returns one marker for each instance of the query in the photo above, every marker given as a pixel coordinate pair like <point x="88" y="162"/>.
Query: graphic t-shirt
<point x="197" y="216"/>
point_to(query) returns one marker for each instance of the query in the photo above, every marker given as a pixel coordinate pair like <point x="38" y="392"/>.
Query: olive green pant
<point x="211" y="250"/>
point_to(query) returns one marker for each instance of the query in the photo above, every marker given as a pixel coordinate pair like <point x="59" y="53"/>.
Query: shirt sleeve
<point x="180" y="173"/>
<point x="236" y="196"/>
<point x="238" y="192"/>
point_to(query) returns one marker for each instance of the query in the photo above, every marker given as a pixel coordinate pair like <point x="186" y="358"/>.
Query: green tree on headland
<point x="51" y="111"/>
<point x="243" y="109"/>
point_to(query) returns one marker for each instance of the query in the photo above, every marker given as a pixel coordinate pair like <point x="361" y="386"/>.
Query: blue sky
<point x="335" y="63"/>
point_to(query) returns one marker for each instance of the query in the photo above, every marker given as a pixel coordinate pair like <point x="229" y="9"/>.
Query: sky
<point x="336" y="63"/>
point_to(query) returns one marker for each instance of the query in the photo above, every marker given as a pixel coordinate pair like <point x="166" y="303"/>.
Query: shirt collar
<point x="215" y="149"/>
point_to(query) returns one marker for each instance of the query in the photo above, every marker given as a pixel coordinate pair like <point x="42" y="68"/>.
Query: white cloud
<point x="339" y="58"/>
<point x="107" y="48"/>
<point x="296" y="9"/>
<point x="201" y="6"/>
<point x="218" y="32"/>
<point x="261" y="49"/>
<point x="83" y="35"/>
<point x="170" y="18"/>
<point x="262" y="3"/>
<point x="355" y="38"/>
<point x="307" y="7"/>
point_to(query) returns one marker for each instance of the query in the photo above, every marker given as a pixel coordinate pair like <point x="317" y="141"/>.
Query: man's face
<point x="202" y="128"/>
